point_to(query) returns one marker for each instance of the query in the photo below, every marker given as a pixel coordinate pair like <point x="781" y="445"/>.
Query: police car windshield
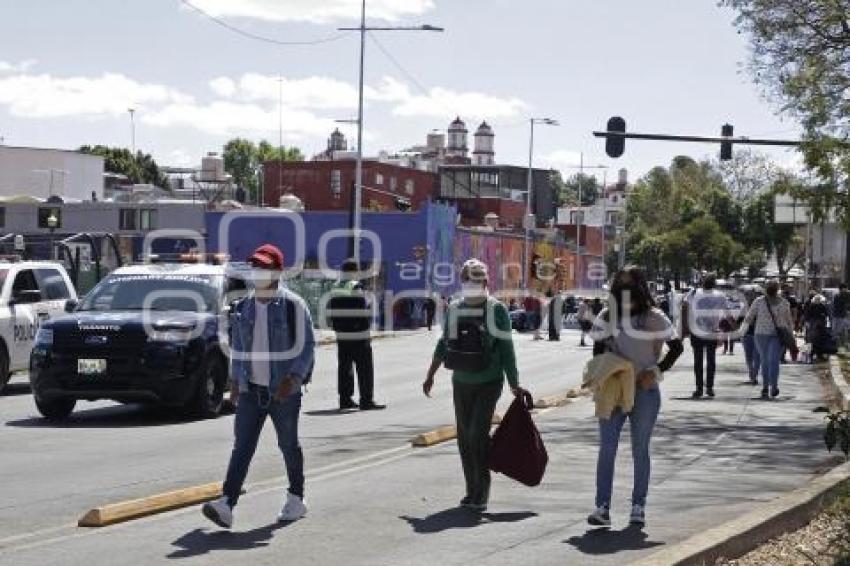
<point x="161" y="292"/>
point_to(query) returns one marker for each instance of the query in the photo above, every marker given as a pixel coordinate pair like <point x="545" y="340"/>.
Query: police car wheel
<point x="209" y="394"/>
<point x="57" y="409"/>
<point x="4" y="368"/>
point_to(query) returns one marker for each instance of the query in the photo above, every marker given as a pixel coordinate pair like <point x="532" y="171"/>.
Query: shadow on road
<point x="606" y="541"/>
<point x="329" y="412"/>
<point x="459" y="518"/>
<point x="13" y="389"/>
<point x="114" y="416"/>
<point x="199" y="542"/>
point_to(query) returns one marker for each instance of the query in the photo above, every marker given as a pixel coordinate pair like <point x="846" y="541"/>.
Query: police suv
<point x="30" y="293"/>
<point x="152" y="333"/>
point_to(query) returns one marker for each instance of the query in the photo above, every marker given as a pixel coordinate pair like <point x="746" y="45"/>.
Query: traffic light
<point x="615" y="145"/>
<point x="726" y="147"/>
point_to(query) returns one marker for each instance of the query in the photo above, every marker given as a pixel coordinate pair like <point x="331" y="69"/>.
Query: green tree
<point x="141" y="168"/>
<point x="800" y="53"/>
<point x="590" y="189"/>
<point x="242" y="159"/>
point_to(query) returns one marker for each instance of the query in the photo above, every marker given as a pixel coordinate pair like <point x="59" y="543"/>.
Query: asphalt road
<point x="51" y="474"/>
<point x="375" y="500"/>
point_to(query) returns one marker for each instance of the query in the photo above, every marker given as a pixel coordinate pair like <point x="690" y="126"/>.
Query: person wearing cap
<point x="477" y="376"/>
<point x="272" y="353"/>
<point x="351" y="319"/>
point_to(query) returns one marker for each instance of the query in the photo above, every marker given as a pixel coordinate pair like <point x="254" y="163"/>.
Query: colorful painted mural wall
<point x="503" y="255"/>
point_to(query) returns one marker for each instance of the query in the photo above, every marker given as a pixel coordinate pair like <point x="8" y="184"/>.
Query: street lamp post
<point x="52" y="223"/>
<point x="529" y="221"/>
<point x="358" y="173"/>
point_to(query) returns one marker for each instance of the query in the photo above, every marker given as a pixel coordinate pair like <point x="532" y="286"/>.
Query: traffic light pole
<point x="698" y="139"/>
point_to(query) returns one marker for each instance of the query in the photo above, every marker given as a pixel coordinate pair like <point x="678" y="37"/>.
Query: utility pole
<point x="358" y="172"/>
<point x="529" y="221"/>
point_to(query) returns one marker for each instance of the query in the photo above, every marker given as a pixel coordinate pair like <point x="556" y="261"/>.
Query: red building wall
<point x="473" y="211"/>
<point x="312" y="182"/>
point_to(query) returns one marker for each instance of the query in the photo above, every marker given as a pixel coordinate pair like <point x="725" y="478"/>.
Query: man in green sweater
<point x="477" y="346"/>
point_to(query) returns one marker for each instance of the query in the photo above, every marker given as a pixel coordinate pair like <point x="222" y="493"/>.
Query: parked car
<point x="31" y="292"/>
<point x="153" y="333"/>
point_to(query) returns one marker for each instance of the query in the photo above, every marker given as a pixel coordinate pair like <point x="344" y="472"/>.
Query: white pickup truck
<point x="30" y="292"/>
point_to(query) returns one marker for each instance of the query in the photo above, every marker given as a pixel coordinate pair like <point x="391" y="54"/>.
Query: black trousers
<point x="351" y="354"/>
<point x="474" y="408"/>
<point x="704" y="350"/>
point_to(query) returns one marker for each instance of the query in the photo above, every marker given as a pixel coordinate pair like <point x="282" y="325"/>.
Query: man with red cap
<point x="272" y="353"/>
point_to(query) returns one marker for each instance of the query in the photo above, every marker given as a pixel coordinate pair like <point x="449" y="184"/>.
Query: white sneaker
<point x="294" y="508"/>
<point x="219" y="512"/>
<point x="638" y="516"/>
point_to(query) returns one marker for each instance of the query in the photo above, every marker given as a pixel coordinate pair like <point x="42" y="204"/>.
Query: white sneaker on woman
<point x="638" y="516"/>
<point x="219" y="512"/>
<point x="294" y="508"/>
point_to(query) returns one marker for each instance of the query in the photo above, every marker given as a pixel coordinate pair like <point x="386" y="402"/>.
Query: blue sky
<point x="69" y="69"/>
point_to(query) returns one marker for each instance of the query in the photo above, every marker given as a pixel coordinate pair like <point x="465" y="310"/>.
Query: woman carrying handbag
<point x="773" y="323"/>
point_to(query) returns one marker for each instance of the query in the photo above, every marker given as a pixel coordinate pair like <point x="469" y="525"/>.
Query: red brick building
<point x="328" y="185"/>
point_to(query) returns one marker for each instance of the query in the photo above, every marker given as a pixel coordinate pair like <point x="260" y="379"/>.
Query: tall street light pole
<point x="530" y="221"/>
<point x="358" y="172"/>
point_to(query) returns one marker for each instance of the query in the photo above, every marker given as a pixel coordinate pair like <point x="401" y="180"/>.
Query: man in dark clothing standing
<point x="555" y="316"/>
<point x="840" y="307"/>
<point x="430" y="311"/>
<point x="351" y="319"/>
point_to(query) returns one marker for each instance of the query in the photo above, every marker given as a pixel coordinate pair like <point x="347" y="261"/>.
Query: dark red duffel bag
<point x="517" y="448"/>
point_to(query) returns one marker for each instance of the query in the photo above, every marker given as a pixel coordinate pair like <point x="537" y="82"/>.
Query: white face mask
<point x="472" y="290"/>
<point x="263" y="279"/>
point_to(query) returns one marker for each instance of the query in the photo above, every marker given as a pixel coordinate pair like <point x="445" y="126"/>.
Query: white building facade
<point x="42" y="173"/>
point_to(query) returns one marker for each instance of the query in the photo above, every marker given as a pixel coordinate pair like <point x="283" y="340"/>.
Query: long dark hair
<point x="641" y="298"/>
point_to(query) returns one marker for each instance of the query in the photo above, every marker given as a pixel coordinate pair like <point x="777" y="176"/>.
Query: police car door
<point x="54" y="291"/>
<point x="24" y="309"/>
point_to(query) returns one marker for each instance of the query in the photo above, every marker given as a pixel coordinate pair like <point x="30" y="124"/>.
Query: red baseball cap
<point x="268" y="257"/>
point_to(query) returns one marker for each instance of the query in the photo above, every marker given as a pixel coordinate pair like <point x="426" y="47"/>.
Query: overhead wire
<point x="257" y="37"/>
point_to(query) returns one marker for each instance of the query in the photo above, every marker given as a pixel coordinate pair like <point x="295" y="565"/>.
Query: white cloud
<point x="560" y="159"/>
<point x="228" y="118"/>
<point x="223" y="86"/>
<point x="441" y="102"/>
<point x="20" y="67"/>
<point x="45" y="96"/>
<point x="310" y="92"/>
<point x="315" y="11"/>
<point x="179" y="158"/>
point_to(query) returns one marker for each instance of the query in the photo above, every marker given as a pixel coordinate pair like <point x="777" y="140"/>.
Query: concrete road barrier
<point x="442" y="434"/>
<point x="160" y="503"/>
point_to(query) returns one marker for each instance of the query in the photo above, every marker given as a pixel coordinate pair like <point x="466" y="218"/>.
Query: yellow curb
<point x="442" y="434"/>
<point x="552" y="401"/>
<point x="146" y="506"/>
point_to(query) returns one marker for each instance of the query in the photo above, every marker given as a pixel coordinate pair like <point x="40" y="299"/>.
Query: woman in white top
<point x="769" y="312"/>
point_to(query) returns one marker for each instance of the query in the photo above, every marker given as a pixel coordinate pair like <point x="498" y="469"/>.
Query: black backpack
<point x="237" y="306"/>
<point x="470" y="348"/>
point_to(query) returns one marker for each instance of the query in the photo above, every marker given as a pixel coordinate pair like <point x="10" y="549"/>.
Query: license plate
<point x="91" y="367"/>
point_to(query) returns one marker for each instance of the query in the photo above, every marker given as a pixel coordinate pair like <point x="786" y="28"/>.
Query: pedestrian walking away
<point x="351" y="319"/>
<point x="706" y="307"/>
<point x="769" y="313"/>
<point x="840" y="318"/>
<point x="430" y="311"/>
<point x="272" y="350"/>
<point x="751" y="354"/>
<point x="635" y="330"/>
<point x="476" y="345"/>
<point x="585" y="319"/>
<point x="555" y="307"/>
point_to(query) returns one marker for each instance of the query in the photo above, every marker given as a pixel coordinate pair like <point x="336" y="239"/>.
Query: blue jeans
<point x="751" y="354"/>
<point x="770" y="350"/>
<point x="252" y="409"/>
<point x="642" y="420"/>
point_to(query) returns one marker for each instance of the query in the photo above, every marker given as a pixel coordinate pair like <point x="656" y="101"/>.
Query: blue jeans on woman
<point x="770" y="351"/>
<point x="642" y="421"/>
<point x="252" y="408"/>
<point x="751" y="354"/>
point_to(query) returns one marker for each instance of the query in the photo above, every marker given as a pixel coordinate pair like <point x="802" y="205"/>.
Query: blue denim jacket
<point x="296" y="363"/>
